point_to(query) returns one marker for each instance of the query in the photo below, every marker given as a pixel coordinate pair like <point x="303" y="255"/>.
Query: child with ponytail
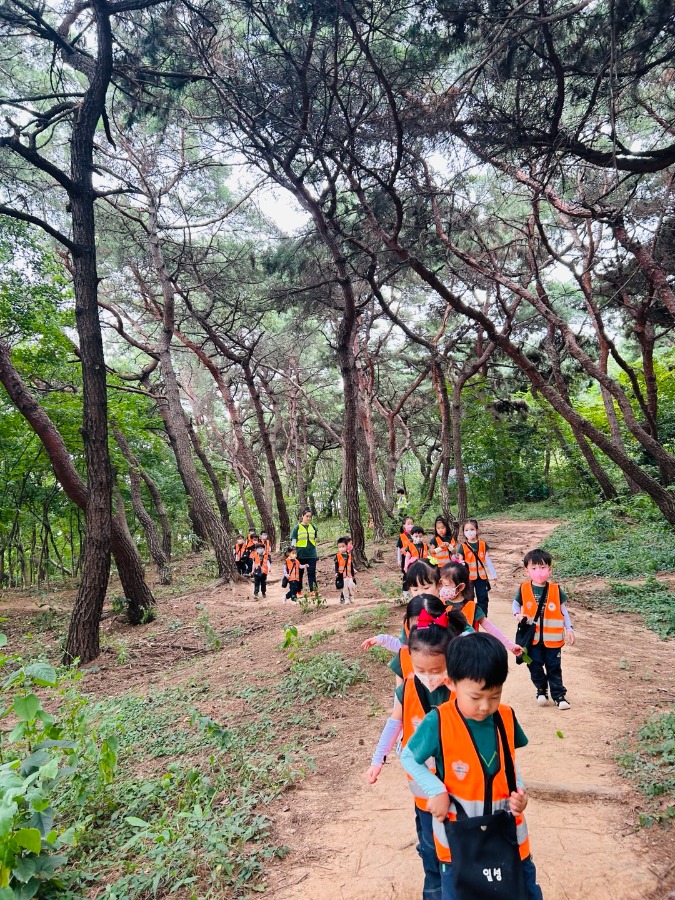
<point x="431" y="631"/>
<point x="457" y="593"/>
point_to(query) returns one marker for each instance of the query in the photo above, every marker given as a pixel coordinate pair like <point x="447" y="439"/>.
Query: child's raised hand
<point x="373" y="773"/>
<point x="368" y="643"/>
<point x="569" y="634"/>
<point x="518" y="801"/>
<point x="439" y="805"/>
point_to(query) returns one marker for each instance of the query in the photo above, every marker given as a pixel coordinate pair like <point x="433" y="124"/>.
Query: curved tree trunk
<point x="441" y="389"/>
<point x="219" y="497"/>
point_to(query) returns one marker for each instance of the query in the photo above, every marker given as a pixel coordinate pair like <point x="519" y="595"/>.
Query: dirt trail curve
<point x="355" y="842"/>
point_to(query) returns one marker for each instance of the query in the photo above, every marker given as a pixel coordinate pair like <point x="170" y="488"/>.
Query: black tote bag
<point x="526" y="630"/>
<point x="486" y="862"/>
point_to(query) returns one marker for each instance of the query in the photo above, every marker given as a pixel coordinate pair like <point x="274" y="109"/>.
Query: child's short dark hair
<point x="421" y="573"/>
<point x="539" y="557"/>
<point x="400" y="490"/>
<point x="478" y="657"/>
<point x="289" y="550"/>
<point x="240" y="536"/>
<point x="417" y="529"/>
<point x="343" y="540"/>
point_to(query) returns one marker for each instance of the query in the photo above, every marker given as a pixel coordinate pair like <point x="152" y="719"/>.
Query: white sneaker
<point x="542" y="700"/>
<point x="563" y="704"/>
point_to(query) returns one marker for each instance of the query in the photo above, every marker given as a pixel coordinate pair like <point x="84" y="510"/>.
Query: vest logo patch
<point x="461" y="769"/>
<point x="551" y="606"/>
<point x="416" y="722"/>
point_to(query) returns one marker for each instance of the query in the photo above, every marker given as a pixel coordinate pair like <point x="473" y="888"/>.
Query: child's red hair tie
<point x="426" y="619"/>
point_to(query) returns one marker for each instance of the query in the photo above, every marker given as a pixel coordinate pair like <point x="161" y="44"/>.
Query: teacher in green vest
<point x="303" y="539"/>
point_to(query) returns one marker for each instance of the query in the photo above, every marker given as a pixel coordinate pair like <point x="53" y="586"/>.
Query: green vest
<point x="306" y="536"/>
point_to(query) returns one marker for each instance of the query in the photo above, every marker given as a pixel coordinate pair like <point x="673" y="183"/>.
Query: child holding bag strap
<point x="545" y="649"/>
<point x="480" y="833"/>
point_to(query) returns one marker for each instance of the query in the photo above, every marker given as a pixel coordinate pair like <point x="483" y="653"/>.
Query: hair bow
<point x="426" y="619"/>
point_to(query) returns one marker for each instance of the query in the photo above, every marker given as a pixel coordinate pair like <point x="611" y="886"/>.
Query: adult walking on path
<point x="303" y="538"/>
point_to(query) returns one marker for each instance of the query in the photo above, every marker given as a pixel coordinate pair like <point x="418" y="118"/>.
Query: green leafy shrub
<point x="375" y="618"/>
<point x="323" y="675"/>
<point x="614" y="539"/>
<point x="653" y="600"/>
<point x="652" y="766"/>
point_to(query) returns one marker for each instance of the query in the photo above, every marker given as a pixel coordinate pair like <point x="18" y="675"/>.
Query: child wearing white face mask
<point x="545" y="650"/>
<point x="457" y="593"/>
<point x="422" y="690"/>
<point x="481" y="569"/>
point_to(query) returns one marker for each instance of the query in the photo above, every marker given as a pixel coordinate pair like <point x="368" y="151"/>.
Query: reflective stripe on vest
<point x="239" y="551"/>
<point x="472" y="562"/>
<point x="554" y="622"/>
<point x="464" y="777"/>
<point x="415" y="552"/>
<point x="413" y="713"/>
<point x="261" y="563"/>
<point x="405" y="661"/>
<point x="302" y="541"/>
<point x="441" y="552"/>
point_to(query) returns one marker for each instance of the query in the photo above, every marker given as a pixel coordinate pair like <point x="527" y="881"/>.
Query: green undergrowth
<point x="148" y="794"/>
<point x="375" y="618"/>
<point x="653" y="600"/>
<point x="651" y="766"/>
<point x="629" y="538"/>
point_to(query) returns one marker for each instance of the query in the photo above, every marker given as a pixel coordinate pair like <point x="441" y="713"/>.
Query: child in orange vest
<point x="457" y="593"/>
<point x="239" y="550"/>
<point x="476" y="556"/>
<point x="417" y="549"/>
<point x="261" y="566"/>
<point x="422" y="690"/>
<point x="546" y="655"/>
<point x="468" y="737"/>
<point x="404" y="541"/>
<point x="442" y="544"/>
<point x="423" y="579"/>
<point x="344" y="570"/>
<point x="291" y="579"/>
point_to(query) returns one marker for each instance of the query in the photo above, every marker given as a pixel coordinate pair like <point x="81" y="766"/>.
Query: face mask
<point x="433" y="682"/>
<point x="542" y="573"/>
<point x="417" y="539"/>
<point x="448" y="594"/>
<point x="264" y="537"/>
<point x="470" y="535"/>
<point x="350" y="547"/>
<point x="407" y="528"/>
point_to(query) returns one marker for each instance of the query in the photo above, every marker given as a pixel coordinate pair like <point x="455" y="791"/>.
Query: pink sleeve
<point x="495" y="632"/>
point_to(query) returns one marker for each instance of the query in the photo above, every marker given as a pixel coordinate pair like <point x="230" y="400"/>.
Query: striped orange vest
<point x="472" y="562"/>
<point x="465" y="779"/>
<point x="440" y="550"/>
<point x="262" y="562"/>
<point x="405" y="661"/>
<point x="292" y="569"/>
<point x="413" y="713"/>
<point x="554" y="623"/>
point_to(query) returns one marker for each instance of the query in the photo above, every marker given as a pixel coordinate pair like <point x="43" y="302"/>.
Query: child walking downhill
<point x="418" y="549"/>
<point x="473" y="739"/>
<point x="442" y="544"/>
<point x="402" y="545"/>
<point x="457" y="593"/>
<point x="344" y="570"/>
<point x="261" y="567"/>
<point x="291" y="579"/>
<point x="475" y="554"/>
<point x="543" y="600"/>
<point x="240" y="560"/>
<point x="422" y="690"/>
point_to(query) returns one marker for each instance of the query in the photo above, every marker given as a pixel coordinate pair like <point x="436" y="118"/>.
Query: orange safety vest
<point x="413" y="713"/>
<point x="292" y="569"/>
<point x="268" y="546"/>
<point x="468" y="609"/>
<point x="405" y="661"/>
<point x="416" y="551"/>
<point x="465" y="778"/>
<point x="440" y="550"/>
<point x="472" y="562"/>
<point x="554" y="623"/>
<point x="258" y="563"/>
<point x="345" y="566"/>
<point x="239" y="551"/>
<point x="406" y="541"/>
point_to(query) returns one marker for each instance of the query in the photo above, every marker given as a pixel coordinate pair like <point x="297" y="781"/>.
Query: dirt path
<point x="351" y="841"/>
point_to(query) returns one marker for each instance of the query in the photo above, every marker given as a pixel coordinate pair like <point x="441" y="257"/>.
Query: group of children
<point x="458" y="740"/>
<point x="252" y="557"/>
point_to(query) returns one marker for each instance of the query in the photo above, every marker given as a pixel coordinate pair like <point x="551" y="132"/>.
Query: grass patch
<point x="375" y="618"/>
<point x="653" y="600"/>
<point x="614" y="539"/>
<point x="652" y="767"/>
<point x="323" y="675"/>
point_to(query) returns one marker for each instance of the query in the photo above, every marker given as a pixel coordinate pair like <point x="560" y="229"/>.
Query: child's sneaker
<point x="342" y="598"/>
<point x="563" y="703"/>
<point x="542" y="698"/>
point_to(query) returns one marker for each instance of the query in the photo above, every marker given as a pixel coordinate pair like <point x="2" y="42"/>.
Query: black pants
<point x="546" y="670"/>
<point x="260" y="584"/>
<point x="241" y="566"/>
<point x="293" y="589"/>
<point x="480" y="586"/>
<point x="311" y="573"/>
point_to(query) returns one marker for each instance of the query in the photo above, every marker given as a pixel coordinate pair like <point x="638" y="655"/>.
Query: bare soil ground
<point x="349" y="840"/>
